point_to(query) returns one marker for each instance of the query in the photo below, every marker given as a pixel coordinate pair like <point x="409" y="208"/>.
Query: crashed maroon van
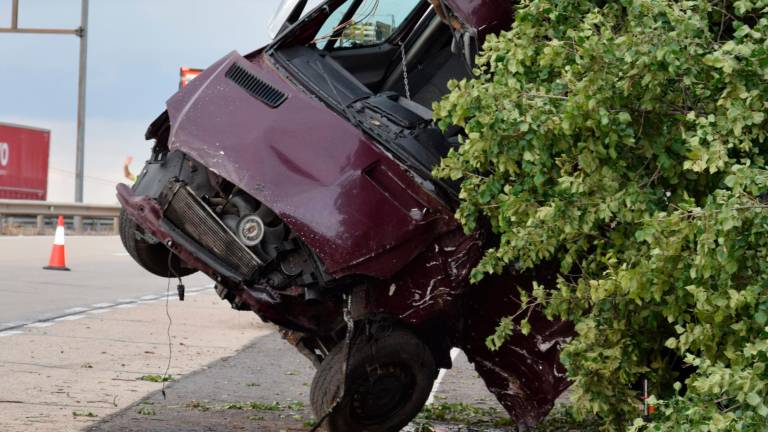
<point x="298" y="177"/>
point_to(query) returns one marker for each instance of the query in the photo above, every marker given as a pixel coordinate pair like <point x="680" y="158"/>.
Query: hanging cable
<point x="180" y="288"/>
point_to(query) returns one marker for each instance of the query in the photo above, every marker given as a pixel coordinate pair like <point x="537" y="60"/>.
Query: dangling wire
<point x="350" y="22"/>
<point x="165" y="377"/>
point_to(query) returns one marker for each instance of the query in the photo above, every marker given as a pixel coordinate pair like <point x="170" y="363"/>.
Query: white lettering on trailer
<point x="5" y="154"/>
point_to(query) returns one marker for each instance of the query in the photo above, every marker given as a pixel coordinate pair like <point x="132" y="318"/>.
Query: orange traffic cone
<point x="58" y="259"/>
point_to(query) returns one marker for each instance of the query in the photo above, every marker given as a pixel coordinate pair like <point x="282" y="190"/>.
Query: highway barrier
<point x="39" y="217"/>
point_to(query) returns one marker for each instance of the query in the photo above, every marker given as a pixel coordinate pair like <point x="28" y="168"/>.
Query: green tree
<point x="627" y="141"/>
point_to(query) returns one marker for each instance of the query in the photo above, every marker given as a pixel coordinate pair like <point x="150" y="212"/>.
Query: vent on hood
<point x="255" y="86"/>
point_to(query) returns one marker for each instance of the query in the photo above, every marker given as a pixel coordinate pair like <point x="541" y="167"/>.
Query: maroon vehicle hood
<point x="318" y="172"/>
<point x="485" y="16"/>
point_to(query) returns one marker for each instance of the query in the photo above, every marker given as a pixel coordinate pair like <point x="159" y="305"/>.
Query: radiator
<point x="196" y="220"/>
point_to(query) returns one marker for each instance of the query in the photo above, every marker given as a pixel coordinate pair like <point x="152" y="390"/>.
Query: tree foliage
<point x="627" y="141"/>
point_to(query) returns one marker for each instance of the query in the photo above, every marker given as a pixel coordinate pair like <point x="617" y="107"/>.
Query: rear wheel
<point x="389" y="379"/>
<point x="156" y="258"/>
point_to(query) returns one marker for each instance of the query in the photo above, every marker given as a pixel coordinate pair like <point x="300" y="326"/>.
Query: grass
<point x="290" y="405"/>
<point x="559" y="420"/>
<point x="83" y="414"/>
<point x="201" y="406"/>
<point x="156" y="378"/>
<point x="563" y="420"/>
<point x="146" y="411"/>
<point x="287" y="406"/>
<point x="294" y="405"/>
<point x="460" y="413"/>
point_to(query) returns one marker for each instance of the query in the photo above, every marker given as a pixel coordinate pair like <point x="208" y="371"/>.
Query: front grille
<point x="255" y="86"/>
<point x="190" y="215"/>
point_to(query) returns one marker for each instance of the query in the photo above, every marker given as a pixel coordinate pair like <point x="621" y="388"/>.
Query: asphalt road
<point x="101" y="272"/>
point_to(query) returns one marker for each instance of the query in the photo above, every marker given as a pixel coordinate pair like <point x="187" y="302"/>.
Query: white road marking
<point x="10" y="333"/>
<point x="16" y="323"/>
<point x="440" y="376"/>
<point x="70" y="318"/>
<point x="98" y="311"/>
<point x="98" y="308"/>
<point x="39" y="325"/>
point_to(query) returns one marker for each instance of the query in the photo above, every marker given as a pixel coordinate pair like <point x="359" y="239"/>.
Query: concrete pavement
<point x="231" y="372"/>
<point x="265" y="387"/>
<point x="73" y="345"/>
<point x="68" y="374"/>
<point x="102" y="272"/>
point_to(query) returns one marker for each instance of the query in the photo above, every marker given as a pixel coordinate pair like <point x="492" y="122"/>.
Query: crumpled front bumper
<point x="148" y="214"/>
<point x="182" y="223"/>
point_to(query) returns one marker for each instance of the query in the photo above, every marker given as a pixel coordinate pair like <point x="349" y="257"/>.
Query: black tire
<point x="153" y="257"/>
<point x="389" y="380"/>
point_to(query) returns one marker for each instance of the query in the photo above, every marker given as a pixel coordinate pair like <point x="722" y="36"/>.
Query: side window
<point x="371" y="23"/>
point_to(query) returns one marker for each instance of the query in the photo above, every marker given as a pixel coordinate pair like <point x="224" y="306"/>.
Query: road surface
<point x="74" y="345"/>
<point x="102" y="272"/>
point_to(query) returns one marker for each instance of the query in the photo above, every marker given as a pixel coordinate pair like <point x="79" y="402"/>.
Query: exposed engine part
<point x="242" y="239"/>
<point x="255" y="225"/>
<point x="231" y="296"/>
<point x="309" y="347"/>
<point x="250" y="230"/>
<point x="287" y="261"/>
<point x="185" y="212"/>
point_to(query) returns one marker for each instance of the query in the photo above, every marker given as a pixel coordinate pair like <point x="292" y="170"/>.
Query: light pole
<point x="82" y="69"/>
<point x="82" y="33"/>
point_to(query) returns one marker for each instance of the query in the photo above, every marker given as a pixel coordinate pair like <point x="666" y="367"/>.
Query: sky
<point x="135" y="50"/>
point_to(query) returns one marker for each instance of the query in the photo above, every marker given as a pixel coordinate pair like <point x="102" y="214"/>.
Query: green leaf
<point x="754" y="399"/>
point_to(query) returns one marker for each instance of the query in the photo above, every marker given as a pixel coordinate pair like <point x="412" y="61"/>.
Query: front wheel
<point x="156" y="258"/>
<point x="389" y="379"/>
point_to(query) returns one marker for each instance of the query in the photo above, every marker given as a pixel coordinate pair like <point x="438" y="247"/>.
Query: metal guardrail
<point x="47" y="208"/>
<point x="42" y="210"/>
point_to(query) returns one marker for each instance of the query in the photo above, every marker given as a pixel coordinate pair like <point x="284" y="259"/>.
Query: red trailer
<point x="23" y="162"/>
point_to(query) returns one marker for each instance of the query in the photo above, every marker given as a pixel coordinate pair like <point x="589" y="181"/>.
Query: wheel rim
<point x="380" y="392"/>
